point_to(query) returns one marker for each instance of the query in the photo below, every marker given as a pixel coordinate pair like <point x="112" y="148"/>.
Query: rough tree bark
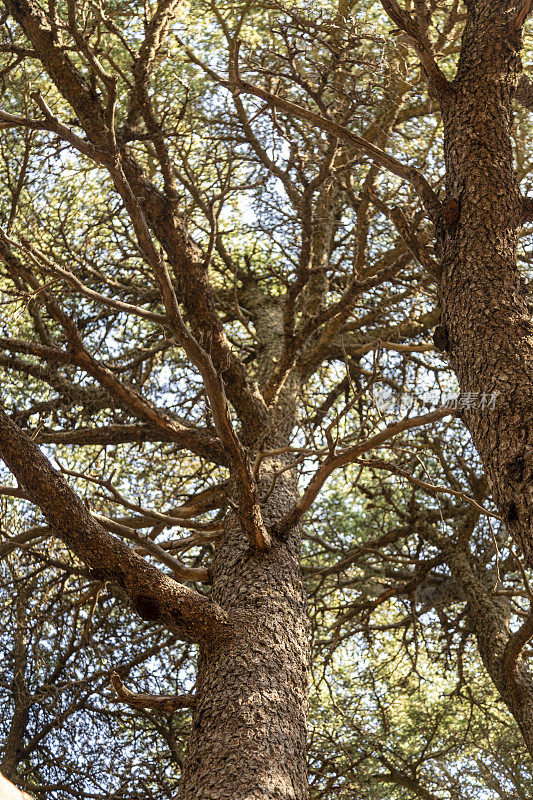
<point x="248" y="738"/>
<point x="249" y="732"/>
<point x="249" y="722"/>
<point x="249" y="726"/>
<point x="482" y="297"/>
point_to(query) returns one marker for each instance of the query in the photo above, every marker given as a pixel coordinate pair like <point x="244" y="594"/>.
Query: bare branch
<point x="162" y="703"/>
<point x="154" y="595"/>
<point x="349" y="455"/>
<point x="411" y="174"/>
<point x="421" y="43"/>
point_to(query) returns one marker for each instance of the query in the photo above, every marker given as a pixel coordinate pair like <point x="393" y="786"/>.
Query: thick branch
<point x="194" y="439"/>
<point x="155" y="596"/>
<point x="160" y="210"/>
<point x="421" y="44"/>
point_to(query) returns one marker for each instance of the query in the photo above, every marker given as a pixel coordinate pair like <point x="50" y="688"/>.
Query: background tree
<point x="225" y="250"/>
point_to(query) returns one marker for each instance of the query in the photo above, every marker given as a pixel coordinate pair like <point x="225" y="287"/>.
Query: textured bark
<point x="489" y="617"/>
<point x="248" y="739"/>
<point x="482" y="296"/>
<point x="21" y="696"/>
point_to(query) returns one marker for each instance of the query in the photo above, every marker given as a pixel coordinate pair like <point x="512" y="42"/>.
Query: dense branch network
<point x="243" y="301"/>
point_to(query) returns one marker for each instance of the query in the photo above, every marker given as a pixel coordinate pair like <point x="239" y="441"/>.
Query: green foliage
<point x="401" y="705"/>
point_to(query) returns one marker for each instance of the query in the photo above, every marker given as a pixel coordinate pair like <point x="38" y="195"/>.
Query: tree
<point x="204" y="322"/>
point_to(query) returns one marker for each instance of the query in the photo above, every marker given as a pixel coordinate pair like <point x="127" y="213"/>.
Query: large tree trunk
<point x="248" y="738"/>
<point x="482" y="297"/>
<point x="249" y="727"/>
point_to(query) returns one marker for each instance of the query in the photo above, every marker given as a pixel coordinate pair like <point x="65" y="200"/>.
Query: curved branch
<point x="163" y="703"/>
<point x="331" y="464"/>
<point x="155" y="596"/>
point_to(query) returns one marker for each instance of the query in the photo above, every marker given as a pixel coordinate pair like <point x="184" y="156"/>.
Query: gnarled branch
<point x="162" y="703"/>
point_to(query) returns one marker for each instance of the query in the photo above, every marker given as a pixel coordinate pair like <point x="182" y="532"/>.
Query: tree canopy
<point x="264" y="272"/>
